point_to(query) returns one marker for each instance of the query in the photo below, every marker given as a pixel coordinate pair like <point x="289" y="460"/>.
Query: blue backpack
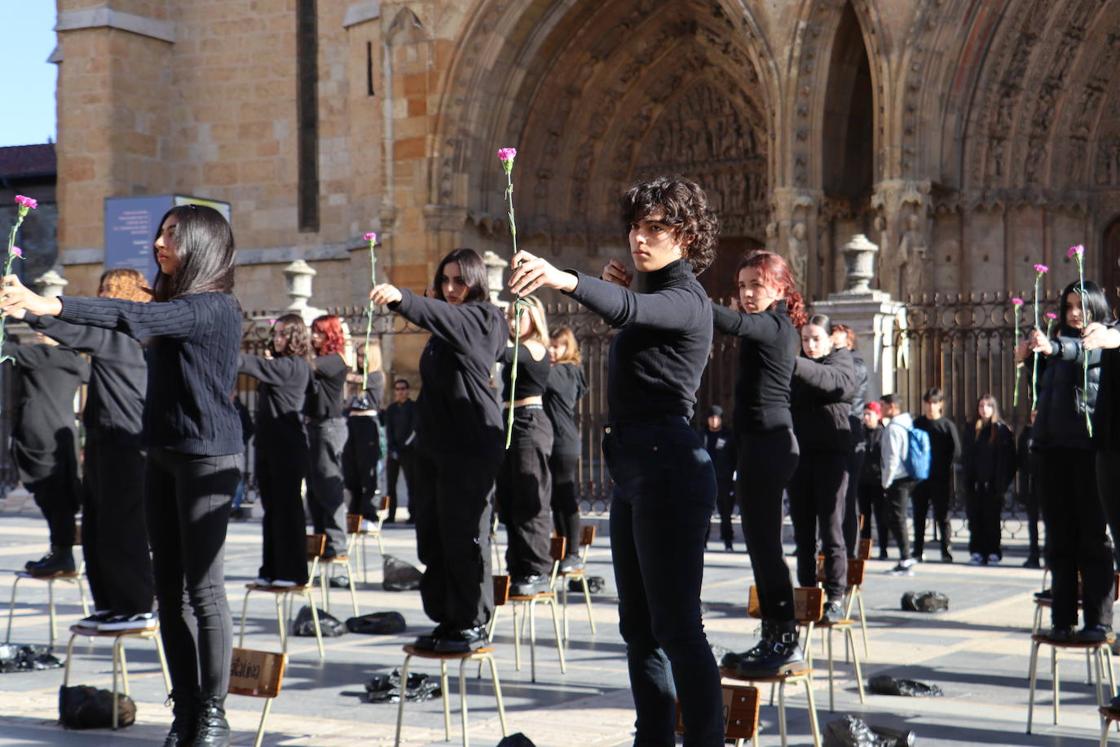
<point x="918" y="457"/>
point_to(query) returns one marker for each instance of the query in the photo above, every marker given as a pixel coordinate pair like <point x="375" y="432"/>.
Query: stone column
<point x="297" y="281"/>
<point x="872" y="315"/>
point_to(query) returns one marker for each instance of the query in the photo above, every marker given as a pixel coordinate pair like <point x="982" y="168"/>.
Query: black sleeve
<point x="458" y="325"/>
<point x="763" y="327"/>
<point x="275" y="371"/>
<point x="956" y="439"/>
<point x="835" y="381"/>
<point x="92" y="340"/>
<point x="25" y="356"/>
<point x="669" y="309"/>
<point x="155" y="319"/>
<point x="329" y="366"/>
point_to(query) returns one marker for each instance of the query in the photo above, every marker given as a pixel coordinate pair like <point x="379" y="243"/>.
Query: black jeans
<point x="326" y="499"/>
<point x="454" y="495"/>
<point x="58" y="493"/>
<point x="1031" y="500"/>
<point x="114" y="538"/>
<point x="565" y="496"/>
<point x="281" y="469"/>
<point x="188" y="503"/>
<point x="1077" y="537"/>
<point x="898" y="501"/>
<point x="395" y="465"/>
<point x="661" y="507"/>
<point x="1108" y="483"/>
<point x="525" y="494"/>
<point x="359" y="462"/>
<point x="767" y="462"/>
<point x="851" y="502"/>
<point x="725" y="504"/>
<point x="817" y="502"/>
<point x="984" y="519"/>
<point x="937" y="493"/>
<point x="873" y="504"/>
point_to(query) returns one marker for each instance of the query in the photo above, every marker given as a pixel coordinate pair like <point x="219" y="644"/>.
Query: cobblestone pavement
<point x="977" y="652"/>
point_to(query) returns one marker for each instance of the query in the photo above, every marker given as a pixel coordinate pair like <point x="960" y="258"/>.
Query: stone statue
<point x="912" y="250"/>
<point x="799" y="254"/>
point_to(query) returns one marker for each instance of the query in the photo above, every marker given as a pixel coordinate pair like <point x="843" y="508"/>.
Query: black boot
<point x="185" y="708"/>
<point x="730" y="660"/>
<point x="778" y="655"/>
<point x="213" y="729"/>
<point x="59" y="560"/>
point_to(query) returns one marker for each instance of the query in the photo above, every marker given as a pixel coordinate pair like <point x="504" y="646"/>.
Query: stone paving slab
<point x="977" y="652"/>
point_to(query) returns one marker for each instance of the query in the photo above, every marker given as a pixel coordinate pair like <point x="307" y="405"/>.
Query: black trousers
<point x="454" y="494"/>
<point x="56" y="489"/>
<point x="281" y="470"/>
<point x="1108" y="484"/>
<point x="1031" y="500"/>
<point x="851" y="502"/>
<point x="1077" y="537"/>
<point x="188" y="500"/>
<point x="725" y="504"/>
<point x="898" y="501"/>
<point x="326" y="499"/>
<point x="817" y="501"/>
<point x="937" y="493"/>
<point x="767" y="462"/>
<point x="984" y="518"/>
<point x="873" y="504"/>
<point x="114" y="537"/>
<point x="661" y="508"/>
<point x="359" y="462"/>
<point x="395" y="466"/>
<point x="565" y="496"/>
<point x="525" y="494"/>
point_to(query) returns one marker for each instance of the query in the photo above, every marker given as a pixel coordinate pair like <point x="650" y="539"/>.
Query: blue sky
<point x="27" y="110"/>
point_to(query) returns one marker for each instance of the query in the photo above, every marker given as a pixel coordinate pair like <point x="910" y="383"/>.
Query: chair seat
<point x="1043" y="638"/>
<point x="729" y="674"/>
<point x="845" y="623"/>
<point x="1109" y="714"/>
<point x="337" y="559"/>
<point x="135" y="632"/>
<point x="60" y="576"/>
<point x="277" y="589"/>
<point x="540" y="595"/>
<point x="422" y="653"/>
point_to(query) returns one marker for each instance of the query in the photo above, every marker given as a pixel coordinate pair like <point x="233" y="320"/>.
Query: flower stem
<point x="1034" y="362"/>
<point x="1084" y="354"/>
<point x="518" y="308"/>
<point x="8" y="271"/>
<point x="369" y="316"/>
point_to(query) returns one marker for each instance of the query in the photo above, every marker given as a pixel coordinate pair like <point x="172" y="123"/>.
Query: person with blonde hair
<point x="566" y="386"/>
<point x="114" y="539"/>
<point x="525" y="481"/>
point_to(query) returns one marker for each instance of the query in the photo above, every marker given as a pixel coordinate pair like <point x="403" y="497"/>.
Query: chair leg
<point x="556" y="629"/>
<point x="400" y="706"/>
<point x="124" y="668"/>
<point x="82" y="597"/>
<point x="281" y="627"/>
<point x="564" y="591"/>
<point x="814" y="725"/>
<point x="851" y="637"/>
<point x="463" y="702"/>
<point x="498" y="693"/>
<point x="587" y="601"/>
<point x="863" y="622"/>
<point x="1033" y="678"/>
<point x="782" y="713"/>
<point x="323" y="593"/>
<point x="162" y="662"/>
<point x="532" y="614"/>
<point x="831" y="673"/>
<point x="244" y="612"/>
<point x="318" y="630"/>
<point x="264" y="717"/>
<point x="116" y="669"/>
<point x="446" y="699"/>
<point x="1088" y="667"/>
<point x="516" y="639"/>
<point x="50" y="609"/>
<point x="11" y="611"/>
<point x="69" y="657"/>
<point x="353" y="593"/>
<point x="1057" y="686"/>
<point x="1105" y="725"/>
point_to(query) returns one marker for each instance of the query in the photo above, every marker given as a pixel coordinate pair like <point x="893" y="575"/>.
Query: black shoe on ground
<point x="1032" y="562"/>
<point x="883" y="555"/>
<point x="833" y="612"/>
<point x="1061" y="634"/>
<point x="183" y="726"/>
<point x="528" y="586"/>
<point x="60" y="560"/>
<point x="1045" y="594"/>
<point x="462" y="641"/>
<point x="213" y="729"/>
<point x="777" y="655"/>
<point x="340" y="582"/>
<point x="570" y="563"/>
<point x="946" y="556"/>
<point x="729" y="547"/>
<point x="1095" y="634"/>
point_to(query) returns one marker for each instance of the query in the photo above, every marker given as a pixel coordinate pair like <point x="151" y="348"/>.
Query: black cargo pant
<point x="936" y="492"/>
<point x="817" y="502"/>
<point x="326" y="498"/>
<point x="565" y="496"/>
<point x="525" y="493"/>
<point x="281" y="468"/>
<point x="898" y="502"/>
<point x="359" y="462"/>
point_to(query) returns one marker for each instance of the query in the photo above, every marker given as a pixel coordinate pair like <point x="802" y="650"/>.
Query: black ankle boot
<point x="213" y="729"/>
<point x="59" y="560"/>
<point x="185" y="708"/>
<point x="776" y="654"/>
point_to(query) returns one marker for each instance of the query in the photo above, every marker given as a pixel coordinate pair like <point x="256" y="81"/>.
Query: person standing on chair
<point x="459" y="445"/>
<point x="566" y="387"/>
<point x="844" y="337"/>
<point x="326" y="436"/>
<point x="1029" y="490"/>
<point x="664" y="490"/>
<point x="193" y="437"/>
<point x="362" y="453"/>
<point x="114" y="540"/>
<point x="282" y="452"/>
<point x="945" y="449"/>
<point x="720" y="445"/>
<point x="400" y="437"/>
<point x="989" y="469"/>
<point x="524" y="488"/>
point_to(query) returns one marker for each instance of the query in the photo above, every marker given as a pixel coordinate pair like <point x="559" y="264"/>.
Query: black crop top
<point x="532" y="375"/>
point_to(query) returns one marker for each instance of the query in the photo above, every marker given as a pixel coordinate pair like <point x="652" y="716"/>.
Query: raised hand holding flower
<point x="1077" y="254"/>
<point x="24" y="206"/>
<point x="371" y="237"/>
<point x="1039" y="270"/>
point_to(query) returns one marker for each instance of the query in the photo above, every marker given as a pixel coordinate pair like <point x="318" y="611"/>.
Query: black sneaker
<point x="462" y="641"/>
<point x="883" y="555"/>
<point x="340" y="582"/>
<point x="773" y="657"/>
<point x="59" y="561"/>
<point x="1032" y="562"/>
<point x="1095" y="634"/>
<point x="141" y="621"/>
<point x="1061" y="634"/>
<point x="946" y="556"/>
<point x="91" y="622"/>
<point x="528" y="586"/>
<point x="1045" y="594"/>
<point x="570" y="563"/>
<point x="427" y="642"/>
<point x="729" y="547"/>
<point x="833" y="612"/>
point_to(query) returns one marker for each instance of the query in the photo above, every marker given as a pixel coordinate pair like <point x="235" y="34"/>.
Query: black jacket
<point x="822" y="391"/>
<point x="1106" y="415"/>
<point x="282" y="394"/>
<point x="458" y="410"/>
<point x="327" y="385"/>
<point x="400" y="426"/>
<point x="872" y="473"/>
<point x="566" y="386"/>
<point x="989" y="463"/>
<point x="1061" y="408"/>
<point x="720" y="446"/>
<point x="859" y="401"/>
<point x="945" y="446"/>
<point x="1028" y="464"/>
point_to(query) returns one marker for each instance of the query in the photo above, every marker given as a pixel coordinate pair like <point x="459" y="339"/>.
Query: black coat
<point x="1106" y="414"/>
<point x="821" y="396"/>
<point x="872" y="473"/>
<point x="720" y="446"/>
<point x="989" y="462"/>
<point x="1061" y="407"/>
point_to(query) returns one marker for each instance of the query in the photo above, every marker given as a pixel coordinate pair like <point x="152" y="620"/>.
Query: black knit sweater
<point x="192" y="365"/>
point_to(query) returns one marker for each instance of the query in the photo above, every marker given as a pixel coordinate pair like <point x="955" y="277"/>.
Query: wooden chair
<point x="283" y="596"/>
<point x="855" y="578"/>
<point x="1041" y="604"/>
<point x="360" y="529"/>
<point x="1101" y="654"/>
<point x="120" y="664"/>
<point x="528" y="602"/>
<point x="76" y="577"/>
<point x="863" y="548"/>
<point x="481" y="655"/>
<point x="257" y="674"/>
<point x="740" y="713"/>
<point x="857" y="568"/>
<point x="1108" y="718"/>
<point x="326" y="568"/>
<point x="586" y="537"/>
<point x="808" y="606"/>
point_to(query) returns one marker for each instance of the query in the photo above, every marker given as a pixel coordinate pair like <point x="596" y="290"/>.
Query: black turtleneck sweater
<point x="658" y="357"/>
<point x="768" y="348"/>
<point x="192" y="365"/>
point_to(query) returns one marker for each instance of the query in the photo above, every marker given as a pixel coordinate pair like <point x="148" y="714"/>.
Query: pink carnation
<point x="26" y="202"/>
<point x="1051" y="315"/>
<point x="1040" y="269"/>
<point x="371" y="237"/>
<point x="507" y="154"/>
<point x="1016" y="301"/>
<point x="17" y="252"/>
<point x="1075" y="250"/>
